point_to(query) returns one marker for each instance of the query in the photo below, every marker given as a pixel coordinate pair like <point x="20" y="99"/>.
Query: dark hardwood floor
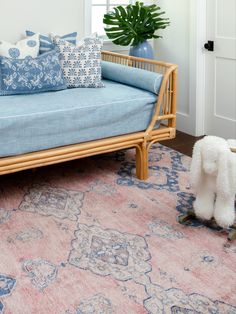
<point x="183" y="143"/>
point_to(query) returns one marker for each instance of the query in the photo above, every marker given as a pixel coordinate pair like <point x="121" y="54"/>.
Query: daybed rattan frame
<point x="142" y="141"/>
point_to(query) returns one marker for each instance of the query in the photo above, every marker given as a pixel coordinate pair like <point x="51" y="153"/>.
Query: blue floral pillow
<point x="31" y="75"/>
<point x="81" y="65"/>
<point x="46" y="43"/>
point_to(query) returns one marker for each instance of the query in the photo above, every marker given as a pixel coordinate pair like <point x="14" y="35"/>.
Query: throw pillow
<point x="46" y="43"/>
<point x="81" y="65"/>
<point x="30" y="75"/>
<point x="22" y="49"/>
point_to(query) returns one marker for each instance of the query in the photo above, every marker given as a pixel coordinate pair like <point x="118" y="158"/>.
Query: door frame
<point x="198" y="34"/>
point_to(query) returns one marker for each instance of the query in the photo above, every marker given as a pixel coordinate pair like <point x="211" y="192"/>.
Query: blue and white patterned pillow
<point x="46" y="43"/>
<point x="23" y="48"/>
<point x="31" y="75"/>
<point x="81" y="65"/>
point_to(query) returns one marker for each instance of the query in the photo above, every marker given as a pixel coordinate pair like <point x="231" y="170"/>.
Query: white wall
<point x="44" y="16"/>
<point x="175" y="48"/>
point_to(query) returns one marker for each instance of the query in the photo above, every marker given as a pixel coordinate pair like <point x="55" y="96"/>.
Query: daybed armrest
<point x="166" y="103"/>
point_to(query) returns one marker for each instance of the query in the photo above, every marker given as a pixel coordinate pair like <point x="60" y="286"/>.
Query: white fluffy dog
<point x="213" y="177"/>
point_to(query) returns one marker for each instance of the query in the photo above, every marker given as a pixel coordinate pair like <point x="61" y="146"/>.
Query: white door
<point x="220" y="119"/>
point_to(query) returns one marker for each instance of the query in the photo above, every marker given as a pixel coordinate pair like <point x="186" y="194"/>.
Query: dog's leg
<point x="224" y="211"/>
<point x="204" y="204"/>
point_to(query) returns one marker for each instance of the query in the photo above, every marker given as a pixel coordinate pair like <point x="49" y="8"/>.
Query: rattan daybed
<point x="164" y="112"/>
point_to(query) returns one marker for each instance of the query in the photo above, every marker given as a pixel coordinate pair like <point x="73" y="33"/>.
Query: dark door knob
<point x="209" y="45"/>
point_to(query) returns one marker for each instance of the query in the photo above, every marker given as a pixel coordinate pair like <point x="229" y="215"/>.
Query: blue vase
<point x="143" y="50"/>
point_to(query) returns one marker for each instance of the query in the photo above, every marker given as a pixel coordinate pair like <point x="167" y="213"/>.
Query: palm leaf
<point x="134" y="24"/>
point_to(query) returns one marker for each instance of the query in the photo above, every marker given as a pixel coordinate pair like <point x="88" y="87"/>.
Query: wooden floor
<point x="183" y="143"/>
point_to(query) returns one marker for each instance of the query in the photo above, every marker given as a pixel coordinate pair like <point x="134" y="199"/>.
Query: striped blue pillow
<point x="46" y="43"/>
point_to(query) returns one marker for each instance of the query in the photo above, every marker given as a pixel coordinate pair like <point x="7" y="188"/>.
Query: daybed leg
<point x="142" y="162"/>
<point x="138" y="162"/>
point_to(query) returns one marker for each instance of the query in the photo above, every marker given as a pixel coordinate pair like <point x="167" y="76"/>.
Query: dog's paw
<point x="203" y="210"/>
<point x="226" y="217"/>
<point x="224" y="213"/>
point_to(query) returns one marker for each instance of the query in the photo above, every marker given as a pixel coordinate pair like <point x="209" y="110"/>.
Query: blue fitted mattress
<point x="36" y="122"/>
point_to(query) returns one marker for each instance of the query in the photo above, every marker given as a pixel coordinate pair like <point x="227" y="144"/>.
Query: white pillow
<point x="22" y="49"/>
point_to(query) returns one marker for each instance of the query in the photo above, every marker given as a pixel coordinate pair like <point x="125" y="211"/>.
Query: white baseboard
<point x="184" y="124"/>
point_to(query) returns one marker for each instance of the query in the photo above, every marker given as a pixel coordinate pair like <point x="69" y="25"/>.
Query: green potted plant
<point x="133" y="25"/>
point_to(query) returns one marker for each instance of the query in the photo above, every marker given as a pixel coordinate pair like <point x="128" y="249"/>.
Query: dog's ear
<point x="196" y="165"/>
<point x="226" y="179"/>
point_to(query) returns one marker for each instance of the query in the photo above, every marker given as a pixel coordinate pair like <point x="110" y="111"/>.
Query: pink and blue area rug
<point x="87" y="237"/>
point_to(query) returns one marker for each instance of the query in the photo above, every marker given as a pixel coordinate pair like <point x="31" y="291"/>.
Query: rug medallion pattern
<point x="109" y="252"/>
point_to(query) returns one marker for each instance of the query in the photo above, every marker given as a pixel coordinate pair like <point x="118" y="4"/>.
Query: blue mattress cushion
<point x="31" y="75"/>
<point x="150" y="81"/>
<point x="41" y="121"/>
